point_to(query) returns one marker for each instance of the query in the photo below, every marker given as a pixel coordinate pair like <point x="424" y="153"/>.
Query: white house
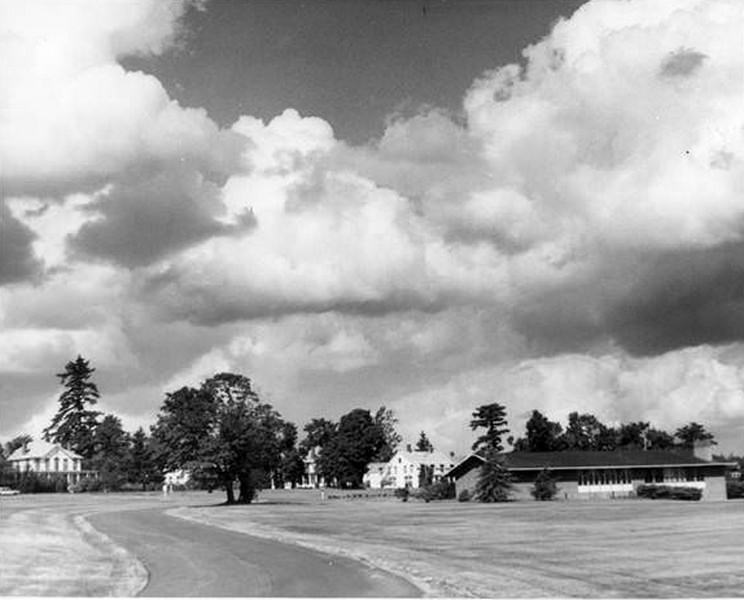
<point x="177" y="477"/>
<point x="375" y="475"/>
<point x="311" y="478"/>
<point x="44" y="457"/>
<point x="404" y="469"/>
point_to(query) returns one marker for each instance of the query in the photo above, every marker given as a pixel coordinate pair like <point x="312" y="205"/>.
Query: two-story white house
<point x="404" y="469"/>
<point x="46" y="458"/>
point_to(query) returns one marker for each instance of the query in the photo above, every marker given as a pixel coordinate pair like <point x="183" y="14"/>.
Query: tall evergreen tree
<point x="494" y="480"/>
<point x="492" y="418"/>
<point x="74" y="424"/>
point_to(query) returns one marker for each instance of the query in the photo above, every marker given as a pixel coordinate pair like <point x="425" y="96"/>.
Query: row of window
<point x="604" y="477"/>
<point x="620" y="476"/>
<point x="47" y="462"/>
<point x="411" y="469"/>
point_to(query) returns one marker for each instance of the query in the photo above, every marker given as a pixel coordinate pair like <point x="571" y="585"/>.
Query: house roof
<point x="587" y="459"/>
<point x="424" y="458"/>
<point x="41" y="449"/>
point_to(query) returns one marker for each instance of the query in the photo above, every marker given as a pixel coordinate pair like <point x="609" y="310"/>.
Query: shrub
<point x="442" y="490"/>
<point x="403" y="494"/>
<point x="735" y="489"/>
<point x="464" y="496"/>
<point x="545" y="487"/>
<point x="34" y="483"/>
<point x="667" y="492"/>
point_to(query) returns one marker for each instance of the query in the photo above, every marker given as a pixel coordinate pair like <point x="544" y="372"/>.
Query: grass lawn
<point x="48" y="549"/>
<point x="621" y="548"/>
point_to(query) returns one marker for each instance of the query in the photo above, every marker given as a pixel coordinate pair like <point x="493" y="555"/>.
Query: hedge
<point x="668" y="492"/>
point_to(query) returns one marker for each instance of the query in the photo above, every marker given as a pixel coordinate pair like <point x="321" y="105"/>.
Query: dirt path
<point x="190" y="559"/>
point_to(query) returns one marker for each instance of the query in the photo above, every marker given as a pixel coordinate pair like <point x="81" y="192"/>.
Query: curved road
<point x="189" y="559"/>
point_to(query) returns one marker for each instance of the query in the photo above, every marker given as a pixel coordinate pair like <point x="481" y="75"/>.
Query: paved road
<point x="190" y="559"/>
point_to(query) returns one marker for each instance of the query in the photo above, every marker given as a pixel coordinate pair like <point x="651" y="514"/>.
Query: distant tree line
<point x="220" y="432"/>
<point x="587" y="432"/>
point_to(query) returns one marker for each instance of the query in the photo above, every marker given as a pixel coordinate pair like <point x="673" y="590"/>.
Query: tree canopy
<point x="222" y="431"/>
<point x="386" y="420"/>
<point x="356" y="442"/>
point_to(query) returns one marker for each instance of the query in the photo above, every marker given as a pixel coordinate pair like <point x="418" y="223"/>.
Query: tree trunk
<point x="230" y="493"/>
<point x="247" y="489"/>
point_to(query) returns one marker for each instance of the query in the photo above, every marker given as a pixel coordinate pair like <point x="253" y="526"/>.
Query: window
<point x="64" y="464"/>
<point x="56" y="463"/>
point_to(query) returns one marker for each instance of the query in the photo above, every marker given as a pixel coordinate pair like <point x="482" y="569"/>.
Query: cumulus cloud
<point x="72" y="117"/>
<point x="570" y="240"/>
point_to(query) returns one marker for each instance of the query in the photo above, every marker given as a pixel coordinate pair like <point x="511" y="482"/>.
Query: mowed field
<point x="621" y="548"/>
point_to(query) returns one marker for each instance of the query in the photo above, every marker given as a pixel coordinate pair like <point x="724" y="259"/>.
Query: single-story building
<point x="404" y="469"/>
<point x="603" y="474"/>
<point x="49" y="459"/>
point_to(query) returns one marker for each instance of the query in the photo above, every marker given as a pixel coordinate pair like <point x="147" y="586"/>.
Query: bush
<point x="545" y="487"/>
<point x="403" y="494"/>
<point x="464" y="496"/>
<point x="735" y="489"/>
<point x="668" y="492"/>
<point x="34" y="483"/>
<point x="442" y="490"/>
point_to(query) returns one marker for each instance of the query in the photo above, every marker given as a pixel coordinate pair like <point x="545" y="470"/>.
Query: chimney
<point x="408" y="448"/>
<point x="703" y="449"/>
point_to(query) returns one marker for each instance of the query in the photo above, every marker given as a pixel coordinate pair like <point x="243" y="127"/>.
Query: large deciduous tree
<point x="542" y="435"/>
<point x="110" y="452"/>
<point x="587" y="432"/>
<point x="223" y="431"/>
<point x="693" y="432"/>
<point x="357" y="441"/>
<point x="74" y="424"/>
<point x="386" y="420"/>
<point x="141" y="466"/>
<point x="494" y="481"/>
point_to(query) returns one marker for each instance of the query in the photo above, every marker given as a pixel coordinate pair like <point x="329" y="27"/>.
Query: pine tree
<point x="494" y="480"/>
<point x="423" y="444"/>
<point x="545" y="487"/>
<point x="74" y="424"/>
<point x="494" y="483"/>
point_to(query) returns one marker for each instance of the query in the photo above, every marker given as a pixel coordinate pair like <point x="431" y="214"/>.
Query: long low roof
<point x="589" y="459"/>
<point x="40" y="449"/>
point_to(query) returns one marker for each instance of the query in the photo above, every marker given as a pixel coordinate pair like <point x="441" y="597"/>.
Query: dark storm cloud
<point x="17" y="260"/>
<point x="683" y="299"/>
<point x="682" y="63"/>
<point x="142" y="222"/>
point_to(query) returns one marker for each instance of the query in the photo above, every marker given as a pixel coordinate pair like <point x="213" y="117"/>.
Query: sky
<point x="428" y="205"/>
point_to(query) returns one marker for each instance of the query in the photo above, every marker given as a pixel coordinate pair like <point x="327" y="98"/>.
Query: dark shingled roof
<point x="596" y="458"/>
<point x="587" y="459"/>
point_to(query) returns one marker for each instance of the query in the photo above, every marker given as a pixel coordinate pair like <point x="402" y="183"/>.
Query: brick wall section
<point x="715" y="488"/>
<point x="467" y="482"/>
